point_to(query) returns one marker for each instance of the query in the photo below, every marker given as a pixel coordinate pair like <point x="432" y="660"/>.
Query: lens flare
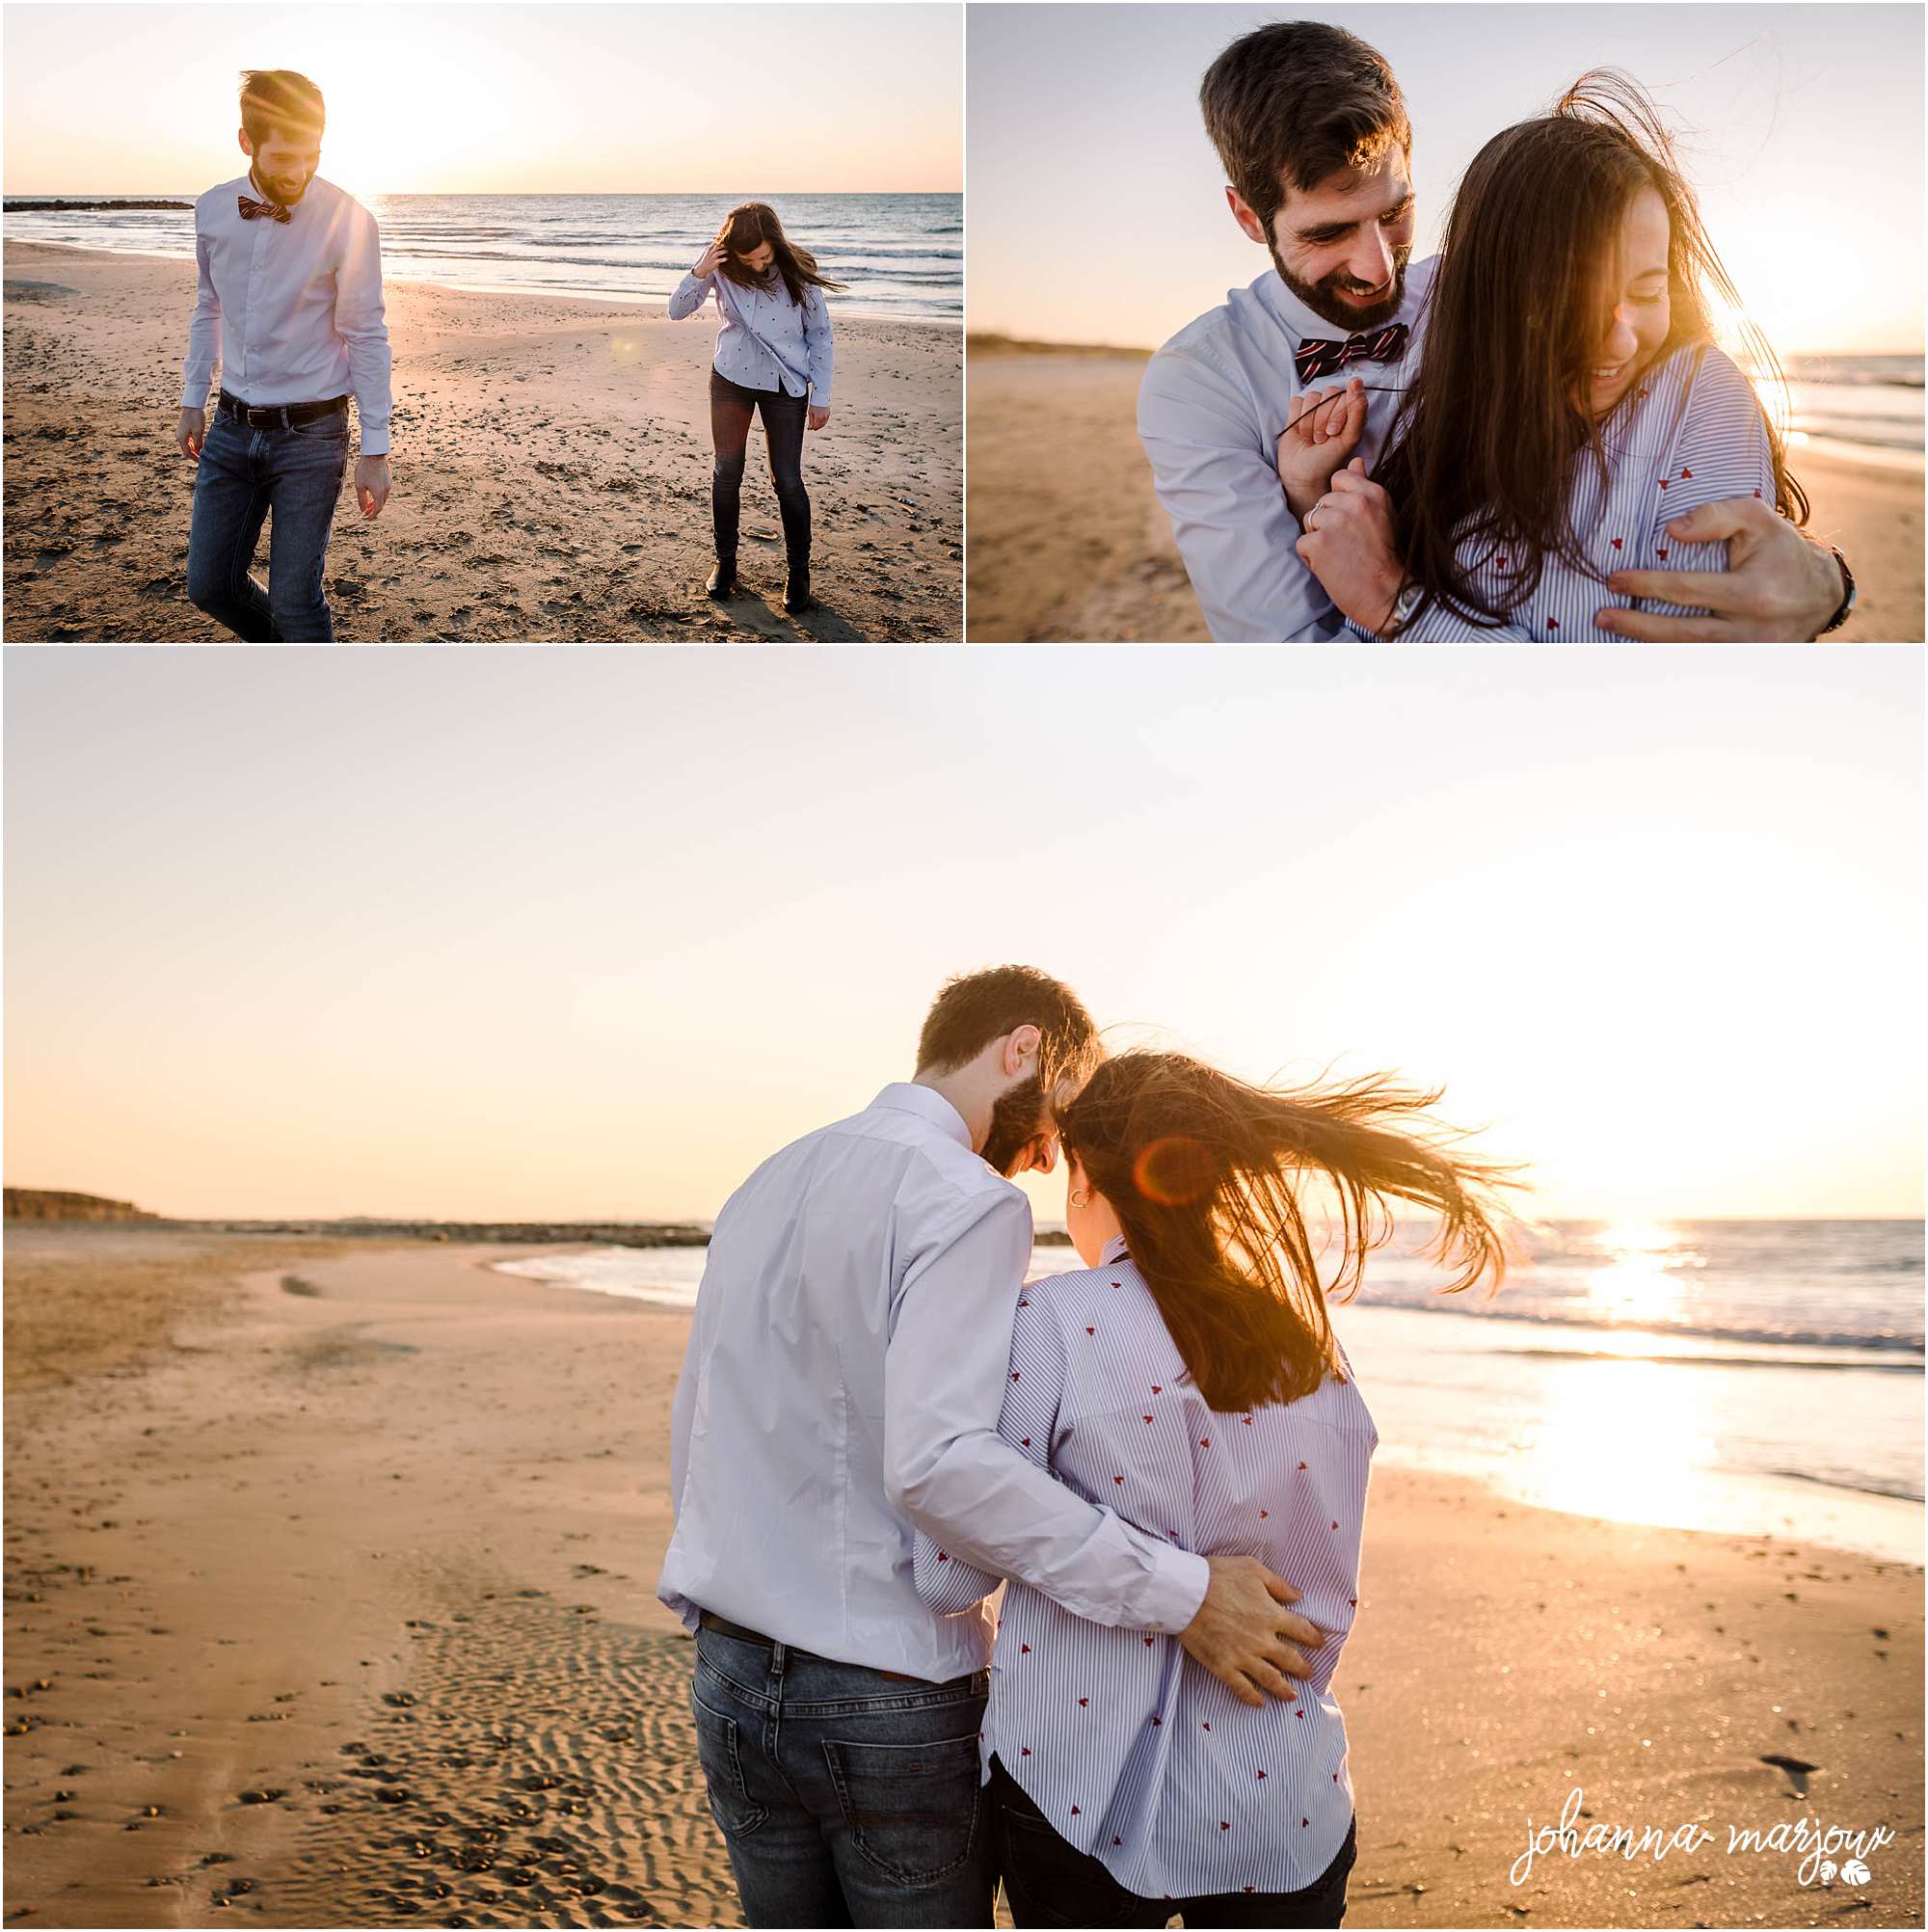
<point x="1173" y="1171"/>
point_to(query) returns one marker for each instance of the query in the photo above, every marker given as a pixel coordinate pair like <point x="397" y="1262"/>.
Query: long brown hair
<point x="1487" y="433"/>
<point x="1204" y="1172"/>
<point x="745" y="229"/>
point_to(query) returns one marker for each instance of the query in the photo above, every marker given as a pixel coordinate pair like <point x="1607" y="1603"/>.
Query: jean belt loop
<point x="777" y="1659"/>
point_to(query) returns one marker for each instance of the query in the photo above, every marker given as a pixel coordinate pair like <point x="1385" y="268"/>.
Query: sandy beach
<point x="1068" y="539"/>
<point x="331" y="1581"/>
<point x="552" y="462"/>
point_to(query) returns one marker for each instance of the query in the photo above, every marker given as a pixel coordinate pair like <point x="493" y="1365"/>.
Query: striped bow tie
<point x="249" y="209"/>
<point x="1316" y="359"/>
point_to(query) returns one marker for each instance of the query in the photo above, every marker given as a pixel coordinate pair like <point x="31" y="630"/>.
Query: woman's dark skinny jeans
<point x="731" y="410"/>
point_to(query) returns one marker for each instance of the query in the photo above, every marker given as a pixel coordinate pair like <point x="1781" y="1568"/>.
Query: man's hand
<point x="371" y="484"/>
<point x="192" y="435"/>
<point x="1778" y="587"/>
<point x="1241" y="1630"/>
<point x="817" y="417"/>
<point x="1320" y="438"/>
<point x="1349" y="547"/>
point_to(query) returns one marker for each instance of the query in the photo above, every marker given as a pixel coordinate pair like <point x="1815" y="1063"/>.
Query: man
<point x="1313" y="133"/>
<point x="290" y="305"/>
<point x="844" y="1381"/>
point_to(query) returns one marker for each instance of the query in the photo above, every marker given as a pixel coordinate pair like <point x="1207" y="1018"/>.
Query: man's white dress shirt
<point x="1212" y="404"/>
<point x="843" y="1386"/>
<point x="292" y="311"/>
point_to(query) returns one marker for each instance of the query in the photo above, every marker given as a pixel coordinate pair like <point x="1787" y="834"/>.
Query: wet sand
<point x="551" y="464"/>
<point x="1068" y="539"/>
<point x="330" y="1601"/>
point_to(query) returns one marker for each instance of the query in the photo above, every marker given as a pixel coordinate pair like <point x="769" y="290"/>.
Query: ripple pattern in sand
<point x="539" y="1769"/>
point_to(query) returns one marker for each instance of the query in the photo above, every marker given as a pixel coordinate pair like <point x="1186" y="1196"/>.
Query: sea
<point x="1758" y="1378"/>
<point x="1862" y="409"/>
<point x="901" y="257"/>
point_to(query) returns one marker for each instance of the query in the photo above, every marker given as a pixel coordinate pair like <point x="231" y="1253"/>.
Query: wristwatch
<point x="1410" y="595"/>
<point x="1841" y="617"/>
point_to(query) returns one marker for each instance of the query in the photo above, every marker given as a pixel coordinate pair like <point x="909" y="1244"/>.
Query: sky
<point x="1096" y="206"/>
<point x="539" y="932"/>
<point x="496" y="99"/>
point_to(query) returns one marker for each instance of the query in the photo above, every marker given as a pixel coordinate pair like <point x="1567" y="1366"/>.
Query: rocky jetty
<point x="56" y="207"/>
<point x="533" y="1233"/>
<point x="50" y="1204"/>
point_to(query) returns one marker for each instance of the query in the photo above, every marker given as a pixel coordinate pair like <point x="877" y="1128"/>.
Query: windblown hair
<point x="745" y="229"/>
<point x="1205" y="1174"/>
<point x="278" y="97"/>
<point x="1296" y="102"/>
<point x="975" y="1008"/>
<point x="1487" y="435"/>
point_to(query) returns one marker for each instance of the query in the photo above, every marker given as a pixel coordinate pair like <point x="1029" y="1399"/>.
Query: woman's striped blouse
<point x="1135" y="1754"/>
<point x="1692" y="433"/>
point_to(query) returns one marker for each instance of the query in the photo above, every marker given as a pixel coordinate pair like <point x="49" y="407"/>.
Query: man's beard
<point x="1322" y="297"/>
<point x="1014" y="1124"/>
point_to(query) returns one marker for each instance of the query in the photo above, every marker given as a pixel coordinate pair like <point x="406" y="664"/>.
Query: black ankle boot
<point x="796" y="595"/>
<point x="723" y="579"/>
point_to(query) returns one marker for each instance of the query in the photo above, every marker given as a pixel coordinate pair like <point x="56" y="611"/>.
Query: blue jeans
<point x="244" y="473"/>
<point x="845" y="1797"/>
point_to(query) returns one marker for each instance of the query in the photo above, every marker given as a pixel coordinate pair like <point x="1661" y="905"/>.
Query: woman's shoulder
<point x="1705" y="376"/>
<point x="1067" y="1290"/>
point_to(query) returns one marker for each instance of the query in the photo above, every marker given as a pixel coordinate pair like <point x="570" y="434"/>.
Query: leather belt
<point x="723" y="1627"/>
<point x="277" y="416"/>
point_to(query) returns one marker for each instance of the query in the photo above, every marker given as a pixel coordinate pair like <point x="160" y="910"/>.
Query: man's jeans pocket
<point x="915" y="1811"/>
<point x="719" y="1751"/>
<point x="333" y="428"/>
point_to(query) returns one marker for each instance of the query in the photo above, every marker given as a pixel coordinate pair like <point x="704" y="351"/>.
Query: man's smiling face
<point x="1341" y="246"/>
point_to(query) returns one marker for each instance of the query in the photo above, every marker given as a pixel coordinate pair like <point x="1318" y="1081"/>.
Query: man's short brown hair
<point x="975" y="1008"/>
<point x="278" y="97"/>
<point x="1296" y="102"/>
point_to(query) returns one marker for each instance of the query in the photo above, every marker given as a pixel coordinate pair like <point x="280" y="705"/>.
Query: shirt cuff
<point x="374" y="441"/>
<point x="194" y="395"/>
<point x="1176" y="1589"/>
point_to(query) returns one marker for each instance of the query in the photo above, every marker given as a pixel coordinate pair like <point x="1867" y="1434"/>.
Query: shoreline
<point x="551" y="472"/>
<point x="1707" y="1490"/>
<point x="389" y="275"/>
<point x="380" y="1547"/>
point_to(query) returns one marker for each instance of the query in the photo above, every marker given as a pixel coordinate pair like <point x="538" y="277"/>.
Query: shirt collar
<point x="905" y="1096"/>
<point x="1114" y="1250"/>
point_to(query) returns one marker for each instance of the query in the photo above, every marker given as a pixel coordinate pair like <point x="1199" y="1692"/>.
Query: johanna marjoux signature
<point x="1827" y="1851"/>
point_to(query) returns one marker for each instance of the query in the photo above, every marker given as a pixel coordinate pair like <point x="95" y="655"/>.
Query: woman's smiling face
<point x="757" y="260"/>
<point x="1635" y="327"/>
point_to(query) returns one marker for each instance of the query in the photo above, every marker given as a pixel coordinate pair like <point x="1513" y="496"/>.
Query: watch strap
<point x="1841" y="617"/>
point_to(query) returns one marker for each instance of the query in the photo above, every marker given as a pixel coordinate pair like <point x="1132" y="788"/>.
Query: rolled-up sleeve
<point x="688" y="296"/>
<point x="203" y="331"/>
<point x="1219" y="487"/>
<point x="978" y="1497"/>
<point x="817" y="346"/>
<point x="362" y="321"/>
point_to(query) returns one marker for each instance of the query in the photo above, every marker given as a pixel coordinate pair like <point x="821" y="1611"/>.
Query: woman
<point x="1568" y="343"/>
<point x="1190" y="1380"/>
<point x="773" y="354"/>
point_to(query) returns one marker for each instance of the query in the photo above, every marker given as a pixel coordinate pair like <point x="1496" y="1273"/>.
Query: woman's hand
<point x="713" y="260"/>
<point x="1321" y="439"/>
<point x="1347" y="546"/>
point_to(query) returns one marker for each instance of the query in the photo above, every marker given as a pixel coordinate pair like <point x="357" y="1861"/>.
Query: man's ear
<point x="1245" y="215"/>
<point x="1021" y="1044"/>
<point x="246" y="145"/>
